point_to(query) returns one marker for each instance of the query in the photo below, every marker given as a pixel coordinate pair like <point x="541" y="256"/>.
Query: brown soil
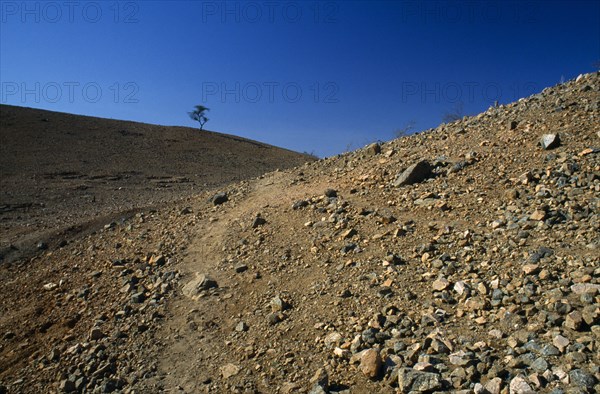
<point x="59" y="170"/>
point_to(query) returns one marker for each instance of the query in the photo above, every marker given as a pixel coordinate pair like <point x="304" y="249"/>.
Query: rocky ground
<point x="462" y="259"/>
<point x="62" y="174"/>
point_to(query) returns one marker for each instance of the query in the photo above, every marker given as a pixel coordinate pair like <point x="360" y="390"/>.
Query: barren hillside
<point x="60" y="170"/>
<point x="463" y="259"/>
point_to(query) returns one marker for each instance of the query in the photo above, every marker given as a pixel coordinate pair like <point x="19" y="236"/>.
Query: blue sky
<point x="315" y="76"/>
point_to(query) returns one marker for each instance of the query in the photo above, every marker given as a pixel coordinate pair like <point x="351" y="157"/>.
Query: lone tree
<point x="199" y="115"/>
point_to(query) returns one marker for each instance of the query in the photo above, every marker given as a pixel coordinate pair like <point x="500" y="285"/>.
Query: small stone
<point x="412" y="380"/>
<point x="200" y="283"/>
<point x="370" y="363"/>
<point x="320" y="379"/>
<point x="417" y="172"/>
<point x="348" y="233"/>
<point x="513" y="124"/>
<point x="219" y="198"/>
<point x="530" y="269"/>
<point x="440" y="284"/>
<point x="374" y="148"/>
<point x="536" y="380"/>
<point x="229" y="370"/>
<point x="9" y="335"/>
<point x="274" y="318"/>
<point x="581" y="378"/>
<point x="539" y="365"/>
<point x="67" y="386"/>
<point x="278" y="304"/>
<point x="348" y="248"/>
<point x="493" y="386"/>
<point x="80" y="384"/>
<point x="590" y="314"/>
<point x="290" y="388"/>
<point x="550" y="141"/>
<point x="239" y="268"/>
<point x="561" y="343"/>
<point x="96" y="333"/>
<point x="158" y="260"/>
<point x="518" y="385"/>
<point x="332" y="339"/>
<point x="423" y="366"/>
<point x="299" y="204"/>
<point x="574" y="320"/>
<point x="538" y="214"/>
<point x="316" y="389"/>
<point x="241" y="327"/>
<point x="54" y="355"/>
<point x="459" y="358"/>
<point x="460" y="287"/>
<point x="342" y="353"/>
<point x="386" y="216"/>
<point x="585" y="288"/>
<point x="138" y="298"/>
<point x="331" y="193"/>
<point x="258" y="221"/>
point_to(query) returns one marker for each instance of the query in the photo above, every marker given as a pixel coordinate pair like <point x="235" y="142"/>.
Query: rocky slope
<point x="462" y="259"/>
<point x="58" y="170"/>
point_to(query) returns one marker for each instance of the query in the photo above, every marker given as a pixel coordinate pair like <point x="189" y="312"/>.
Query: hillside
<point x="58" y="170"/>
<point x="461" y="259"/>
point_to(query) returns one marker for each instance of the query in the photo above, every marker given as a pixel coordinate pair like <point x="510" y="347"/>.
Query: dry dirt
<point x="483" y="277"/>
<point x="63" y="173"/>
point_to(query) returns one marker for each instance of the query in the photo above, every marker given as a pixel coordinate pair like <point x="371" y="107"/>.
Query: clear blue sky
<point x="316" y="76"/>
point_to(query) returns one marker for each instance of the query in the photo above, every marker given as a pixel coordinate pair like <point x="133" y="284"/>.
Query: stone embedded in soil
<point x="374" y="148"/>
<point x="370" y="363"/>
<point x="229" y="370"/>
<point x="550" y="141"/>
<point x="417" y="172"/>
<point x="258" y="221"/>
<point x="220" y="198"/>
<point x="200" y="283"/>
<point x="96" y="333"/>
<point x="278" y="304"/>
<point x="331" y="193"/>
<point x="410" y="380"/>
<point x="274" y="318"/>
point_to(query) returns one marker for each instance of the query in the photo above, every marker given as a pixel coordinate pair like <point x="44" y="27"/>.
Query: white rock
<point x="519" y="386"/>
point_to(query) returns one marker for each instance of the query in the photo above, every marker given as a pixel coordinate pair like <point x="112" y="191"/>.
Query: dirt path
<point x="198" y="333"/>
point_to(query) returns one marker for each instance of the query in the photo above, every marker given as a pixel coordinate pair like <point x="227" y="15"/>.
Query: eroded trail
<point x="205" y="338"/>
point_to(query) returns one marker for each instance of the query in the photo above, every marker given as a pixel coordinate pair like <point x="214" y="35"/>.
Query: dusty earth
<point x="461" y="259"/>
<point x="60" y="171"/>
